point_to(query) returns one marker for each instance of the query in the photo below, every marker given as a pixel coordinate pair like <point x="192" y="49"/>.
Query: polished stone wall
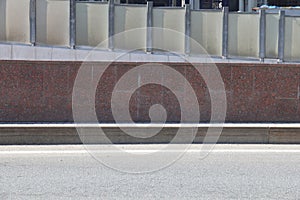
<point x="41" y="91"/>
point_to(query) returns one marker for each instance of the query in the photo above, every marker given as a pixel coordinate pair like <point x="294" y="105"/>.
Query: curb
<point x="38" y="134"/>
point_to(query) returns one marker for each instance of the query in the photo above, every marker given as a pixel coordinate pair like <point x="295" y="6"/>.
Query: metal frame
<point x="33" y="22"/>
<point x="149" y="37"/>
<point x="72" y="24"/>
<point x="262" y="35"/>
<point x="187" y="42"/>
<point x="149" y="44"/>
<point x="225" y="32"/>
<point x="111" y="24"/>
<point x="281" y="35"/>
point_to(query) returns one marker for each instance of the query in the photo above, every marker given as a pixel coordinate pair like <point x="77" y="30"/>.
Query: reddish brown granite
<point x="36" y="91"/>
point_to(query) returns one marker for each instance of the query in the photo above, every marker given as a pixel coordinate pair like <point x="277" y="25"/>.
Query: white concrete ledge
<point x="152" y="125"/>
<point x="40" y="53"/>
<point x="137" y="148"/>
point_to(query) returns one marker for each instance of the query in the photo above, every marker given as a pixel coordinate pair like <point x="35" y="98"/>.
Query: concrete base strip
<point x="24" y="134"/>
<point x="12" y="51"/>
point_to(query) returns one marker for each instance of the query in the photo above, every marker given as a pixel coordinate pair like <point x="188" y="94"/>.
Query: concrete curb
<point x="25" y="134"/>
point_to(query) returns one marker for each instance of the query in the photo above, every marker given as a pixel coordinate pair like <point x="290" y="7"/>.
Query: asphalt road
<point x="228" y="172"/>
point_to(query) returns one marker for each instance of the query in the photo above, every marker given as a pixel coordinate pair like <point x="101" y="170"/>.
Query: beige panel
<point x="91" y="24"/>
<point x="206" y="30"/>
<point x="272" y="26"/>
<point x="243" y="35"/>
<point x="169" y="19"/>
<point x="14" y="22"/>
<point x="292" y="39"/>
<point x="127" y="21"/>
<point x="53" y="22"/>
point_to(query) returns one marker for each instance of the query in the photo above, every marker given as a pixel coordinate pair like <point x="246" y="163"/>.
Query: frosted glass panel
<point x="53" y="22"/>
<point x="14" y="21"/>
<point x="243" y="35"/>
<point x="206" y="29"/>
<point x="91" y="24"/>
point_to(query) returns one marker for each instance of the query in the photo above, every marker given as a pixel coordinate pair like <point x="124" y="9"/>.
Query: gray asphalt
<point x="230" y="172"/>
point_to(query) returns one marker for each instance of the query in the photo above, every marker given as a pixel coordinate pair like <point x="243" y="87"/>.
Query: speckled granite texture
<point x="36" y="91"/>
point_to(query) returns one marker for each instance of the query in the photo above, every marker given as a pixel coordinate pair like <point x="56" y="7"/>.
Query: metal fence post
<point x="187" y="44"/>
<point x="72" y="24"/>
<point x="241" y="5"/>
<point x="251" y="4"/>
<point x="281" y="36"/>
<point x="173" y="3"/>
<point x="33" y="22"/>
<point x="149" y="26"/>
<point x="225" y="32"/>
<point x="262" y="35"/>
<point x="192" y="4"/>
<point x="111" y="24"/>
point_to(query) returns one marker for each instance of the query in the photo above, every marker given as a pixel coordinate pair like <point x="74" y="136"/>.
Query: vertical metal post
<point x="111" y="24"/>
<point x="225" y="32"/>
<point x="33" y="22"/>
<point x="249" y="8"/>
<point x="182" y="3"/>
<point x="281" y="35"/>
<point x="173" y="3"/>
<point x="187" y="48"/>
<point x="262" y="34"/>
<point x="149" y="26"/>
<point x="72" y="24"/>
<point x="241" y="5"/>
<point x="196" y="5"/>
<point x="251" y="4"/>
<point x="192" y="4"/>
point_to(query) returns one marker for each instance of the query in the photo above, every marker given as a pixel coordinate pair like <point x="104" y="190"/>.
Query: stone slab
<point x="284" y="136"/>
<point x="69" y="135"/>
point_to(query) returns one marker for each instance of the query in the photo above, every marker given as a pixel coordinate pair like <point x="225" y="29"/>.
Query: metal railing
<point x="222" y="33"/>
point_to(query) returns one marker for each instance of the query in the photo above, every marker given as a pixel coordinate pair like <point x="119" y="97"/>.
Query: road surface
<point x="228" y="172"/>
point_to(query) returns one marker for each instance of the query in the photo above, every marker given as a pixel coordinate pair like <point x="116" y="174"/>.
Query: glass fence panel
<point x="169" y="19"/>
<point x="243" y="35"/>
<point x="272" y="26"/>
<point x="14" y="21"/>
<point x="292" y="39"/>
<point x="92" y="21"/>
<point x="52" y="21"/>
<point x="91" y="24"/>
<point x="129" y="18"/>
<point x="206" y="29"/>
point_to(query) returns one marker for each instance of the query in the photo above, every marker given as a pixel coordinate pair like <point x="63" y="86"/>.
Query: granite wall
<point x="36" y="91"/>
